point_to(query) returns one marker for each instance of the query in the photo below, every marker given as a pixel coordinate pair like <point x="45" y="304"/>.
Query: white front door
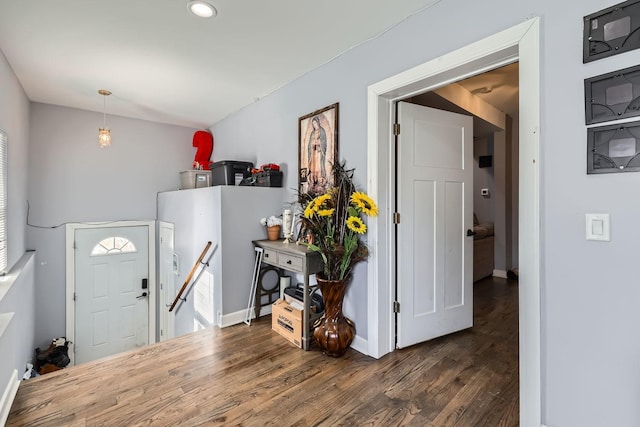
<point x="435" y="256"/>
<point x="111" y="301"/>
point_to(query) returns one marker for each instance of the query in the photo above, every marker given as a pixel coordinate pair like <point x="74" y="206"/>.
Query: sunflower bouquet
<point x="334" y="220"/>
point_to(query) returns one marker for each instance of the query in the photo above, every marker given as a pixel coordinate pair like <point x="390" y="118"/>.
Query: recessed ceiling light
<point x="201" y="8"/>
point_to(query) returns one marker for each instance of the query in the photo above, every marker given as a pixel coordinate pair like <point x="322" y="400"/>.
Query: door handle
<point x="471" y="232"/>
<point x="144" y="294"/>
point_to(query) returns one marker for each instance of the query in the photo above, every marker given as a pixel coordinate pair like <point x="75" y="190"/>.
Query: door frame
<point x="71" y="275"/>
<point x="519" y="43"/>
<point x="167" y="319"/>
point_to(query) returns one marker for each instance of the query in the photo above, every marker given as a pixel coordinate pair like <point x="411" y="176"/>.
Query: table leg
<point x="306" y="339"/>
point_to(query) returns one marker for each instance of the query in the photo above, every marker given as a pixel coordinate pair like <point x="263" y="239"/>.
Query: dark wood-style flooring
<point x="250" y="376"/>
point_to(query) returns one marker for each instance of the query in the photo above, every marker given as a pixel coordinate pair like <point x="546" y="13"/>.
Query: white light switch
<point x="598" y="227"/>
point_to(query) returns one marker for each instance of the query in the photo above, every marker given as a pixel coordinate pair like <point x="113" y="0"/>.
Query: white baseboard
<point x="240" y="316"/>
<point x="501" y="274"/>
<point x="8" y="396"/>
<point x="361" y="345"/>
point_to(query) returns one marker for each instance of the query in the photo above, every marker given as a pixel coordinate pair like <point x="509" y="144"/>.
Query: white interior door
<point x="435" y="256"/>
<point x="111" y="305"/>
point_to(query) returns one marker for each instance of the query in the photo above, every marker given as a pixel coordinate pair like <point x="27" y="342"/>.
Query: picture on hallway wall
<point x="317" y="150"/>
<point x="613" y="148"/>
<point x="611" y="31"/>
<point x="612" y="96"/>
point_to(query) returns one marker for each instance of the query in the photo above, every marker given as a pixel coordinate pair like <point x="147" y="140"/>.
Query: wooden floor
<point x="250" y="376"/>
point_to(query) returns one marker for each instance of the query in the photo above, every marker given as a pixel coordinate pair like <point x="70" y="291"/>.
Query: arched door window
<point x="113" y="246"/>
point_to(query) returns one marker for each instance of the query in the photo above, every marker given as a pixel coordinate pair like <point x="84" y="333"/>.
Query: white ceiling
<point x="164" y="64"/>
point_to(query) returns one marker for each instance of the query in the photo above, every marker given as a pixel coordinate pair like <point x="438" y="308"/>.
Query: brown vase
<point x="273" y="232"/>
<point x="334" y="332"/>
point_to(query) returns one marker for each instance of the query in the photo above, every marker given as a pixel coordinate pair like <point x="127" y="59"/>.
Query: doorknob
<point x="471" y="232"/>
<point x="144" y="294"/>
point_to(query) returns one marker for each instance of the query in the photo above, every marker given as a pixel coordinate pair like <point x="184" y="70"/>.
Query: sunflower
<point x="365" y="203"/>
<point x="325" y="212"/>
<point x="320" y="200"/>
<point x="355" y="224"/>
<point x="308" y="211"/>
<point x="335" y="219"/>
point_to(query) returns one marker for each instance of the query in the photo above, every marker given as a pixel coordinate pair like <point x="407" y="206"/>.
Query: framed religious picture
<point x="317" y="150"/>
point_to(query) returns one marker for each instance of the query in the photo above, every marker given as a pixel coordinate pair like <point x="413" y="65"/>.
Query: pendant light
<point x="104" y="134"/>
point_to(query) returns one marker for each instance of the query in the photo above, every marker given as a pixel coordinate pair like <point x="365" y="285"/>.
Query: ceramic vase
<point x="334" y="332"/>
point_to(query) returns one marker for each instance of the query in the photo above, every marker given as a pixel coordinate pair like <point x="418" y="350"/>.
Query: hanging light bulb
<point x="104" y="134"/>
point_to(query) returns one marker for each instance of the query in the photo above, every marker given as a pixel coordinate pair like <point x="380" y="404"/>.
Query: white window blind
<point x="3" y="202"/>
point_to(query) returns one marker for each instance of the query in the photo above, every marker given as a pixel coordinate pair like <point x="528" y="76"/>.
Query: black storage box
<point x="229" y="172"/>
<point x="269" y="178"/>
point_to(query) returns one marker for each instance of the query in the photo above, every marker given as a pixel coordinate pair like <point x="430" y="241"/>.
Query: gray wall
<point x="17" y="344"/>
<point x="229" y="217"/>
<point x="483" y="178"/>
<point x="589" y="296"/>
<point x="73" y="180"/>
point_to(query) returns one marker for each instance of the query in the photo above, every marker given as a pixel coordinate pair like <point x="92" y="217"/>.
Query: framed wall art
<point x="317" y="150"/>
<point x="612" y="31"/>
<point x="612" y="96"/>
<point x="613" y="148"/>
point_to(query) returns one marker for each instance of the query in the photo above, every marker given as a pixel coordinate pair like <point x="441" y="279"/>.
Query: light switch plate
<point x="598" y="227"/>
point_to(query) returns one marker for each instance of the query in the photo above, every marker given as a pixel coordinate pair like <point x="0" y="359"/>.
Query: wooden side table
<point x="296" y="259"/>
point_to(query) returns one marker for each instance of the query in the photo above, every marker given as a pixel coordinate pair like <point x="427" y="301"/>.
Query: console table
<point x="297" y="259"/>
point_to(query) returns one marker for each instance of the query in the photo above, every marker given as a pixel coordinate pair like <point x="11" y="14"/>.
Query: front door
<point x="435" y="256"/>
<point x="111" y="291"/>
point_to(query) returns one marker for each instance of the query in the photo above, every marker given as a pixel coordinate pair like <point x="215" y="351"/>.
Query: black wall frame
<point x="611" y="31"/>
<point x="614" y="148"/>
<point x="612" y="96"/>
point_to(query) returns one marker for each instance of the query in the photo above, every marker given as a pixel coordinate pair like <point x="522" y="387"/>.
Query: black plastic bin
<point x="229" y="172"/>
<point x="269" y="178"/>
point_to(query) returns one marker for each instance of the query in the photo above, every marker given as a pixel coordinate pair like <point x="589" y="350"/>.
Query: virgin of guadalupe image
<point x="318" y="165"/>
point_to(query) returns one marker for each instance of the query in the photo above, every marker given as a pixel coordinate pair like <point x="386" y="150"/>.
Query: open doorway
<point x="454" y="193"/>
<point x="519" y="43"/>
<point x="492" y="99"/>
<point x="457" y="195"/>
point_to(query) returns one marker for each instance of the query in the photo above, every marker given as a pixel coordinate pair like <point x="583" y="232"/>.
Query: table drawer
<point x="270" y="257"/>
<point x="290" y="262"/>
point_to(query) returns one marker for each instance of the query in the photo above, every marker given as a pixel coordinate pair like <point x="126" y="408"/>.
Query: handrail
<point x="193" y="270"/>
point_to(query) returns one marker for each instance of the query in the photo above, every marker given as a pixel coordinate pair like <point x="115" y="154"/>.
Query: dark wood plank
<point x="251" y="376"/>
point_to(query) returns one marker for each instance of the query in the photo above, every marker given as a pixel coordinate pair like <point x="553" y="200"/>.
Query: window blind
<point x="3" y="201"/>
